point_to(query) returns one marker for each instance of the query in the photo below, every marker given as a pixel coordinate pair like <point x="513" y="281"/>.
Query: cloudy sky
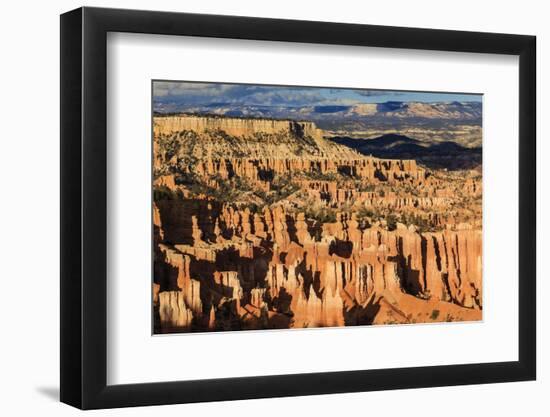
<point x="199" y="94"/>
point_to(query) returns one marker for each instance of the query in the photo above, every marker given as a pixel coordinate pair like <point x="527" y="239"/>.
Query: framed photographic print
<point x="268" y="208"/>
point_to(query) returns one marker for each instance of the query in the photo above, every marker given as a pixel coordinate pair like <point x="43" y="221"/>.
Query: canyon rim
<point x="281" y="207"/>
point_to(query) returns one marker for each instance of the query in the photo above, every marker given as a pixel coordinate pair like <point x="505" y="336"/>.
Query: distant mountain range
<point x="467" y="111"/>
<point x="470" y="111"/>
<point x="448" y="155"/>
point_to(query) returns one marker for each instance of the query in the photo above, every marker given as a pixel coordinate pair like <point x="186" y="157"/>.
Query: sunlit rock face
<point x="265" y="224"/>
<point x="234" y="126"/>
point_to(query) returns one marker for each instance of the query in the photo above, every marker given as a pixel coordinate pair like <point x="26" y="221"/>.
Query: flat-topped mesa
<point x="238" y="127"/>
<point x="258" y="148"/>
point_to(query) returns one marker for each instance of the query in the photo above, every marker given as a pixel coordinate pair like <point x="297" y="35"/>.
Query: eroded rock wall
<point x="297" y="280"/>
<point x="233" y="126"/>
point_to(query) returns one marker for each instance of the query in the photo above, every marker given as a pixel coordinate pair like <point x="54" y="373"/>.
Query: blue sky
<point x="197" y="94"/>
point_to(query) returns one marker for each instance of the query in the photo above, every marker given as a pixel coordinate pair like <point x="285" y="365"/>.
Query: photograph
<point x="291" y="207"/>
<point x="276" y="209"/>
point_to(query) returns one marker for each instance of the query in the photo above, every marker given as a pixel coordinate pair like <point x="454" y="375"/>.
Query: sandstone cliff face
<point x="181" y="138"/>
<point x="233" y="126"/>
<point x="267" y="226"/>
<point x="174" y="313"/>
<point x="263" y="169"/>
<point x="335" y="280"/>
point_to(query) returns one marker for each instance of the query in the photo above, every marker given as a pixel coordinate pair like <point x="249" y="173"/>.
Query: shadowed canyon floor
<point x="266" y="224"/>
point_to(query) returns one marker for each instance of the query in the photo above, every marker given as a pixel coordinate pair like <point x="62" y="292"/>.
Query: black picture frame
<point x="84" y="207"/>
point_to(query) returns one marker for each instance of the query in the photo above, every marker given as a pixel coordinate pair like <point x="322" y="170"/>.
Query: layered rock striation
<point x="272" y="270"/>
<point x="262" y="224"/>
<point x="237" y="127"/>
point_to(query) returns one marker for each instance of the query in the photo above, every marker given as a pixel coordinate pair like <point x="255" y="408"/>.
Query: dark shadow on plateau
<point x="408" y="277"/>
<point x="342" y="248"/>
<point x="362" y="315"/>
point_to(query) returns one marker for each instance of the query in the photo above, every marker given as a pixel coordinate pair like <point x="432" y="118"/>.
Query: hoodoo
<point x="263" y="223"/>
